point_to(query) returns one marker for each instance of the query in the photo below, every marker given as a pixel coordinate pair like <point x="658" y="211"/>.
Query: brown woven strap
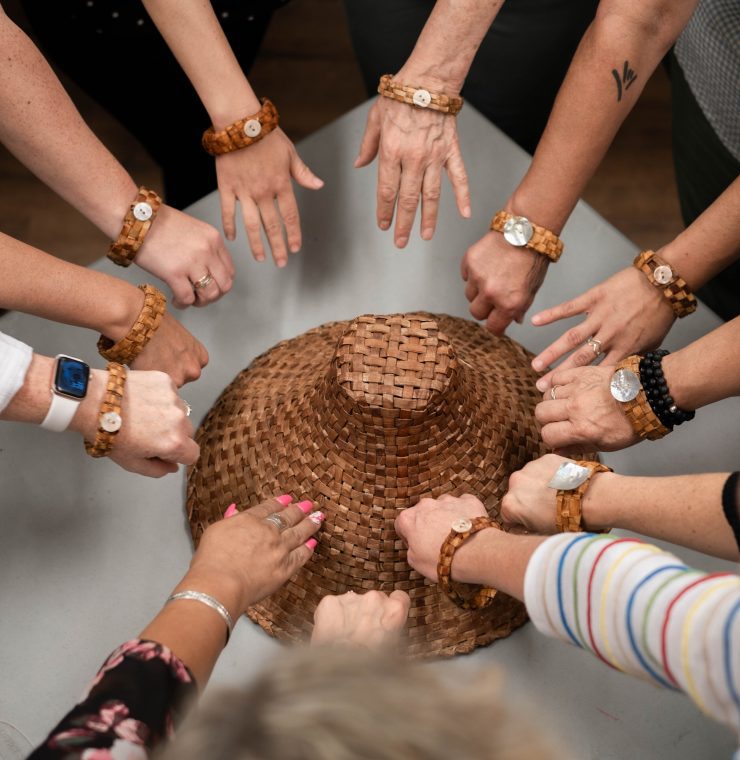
<point x="543" y="241"/>
<point x="679" y="295"/>
<point x="242" y="133"/>
<point x="133" y="232"/>
<point x="418" y="96"/>
<point x="569" y="515"/>
<point x="643" y="419"/>
<point x="130" y="346"/>
<point x="103" y="443"/>
<point x="465" y="595"/>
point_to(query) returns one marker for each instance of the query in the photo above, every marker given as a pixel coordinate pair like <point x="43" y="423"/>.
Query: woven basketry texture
<point x="367" y="417"/>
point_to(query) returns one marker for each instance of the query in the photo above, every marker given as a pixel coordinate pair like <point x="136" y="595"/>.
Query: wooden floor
<point x="307" y="66"/>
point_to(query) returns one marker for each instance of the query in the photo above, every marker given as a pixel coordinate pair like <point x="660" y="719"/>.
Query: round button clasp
<point x="422" y="98"/>
<point x="462" y="525"/>
<point x="143" y="211"/>
<point x="663" y="274"/>
<point x="110" y="422"/>
<point x="252" y="128"/>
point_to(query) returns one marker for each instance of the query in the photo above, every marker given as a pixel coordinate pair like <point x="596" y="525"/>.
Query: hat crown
<point x="395" y="362"/>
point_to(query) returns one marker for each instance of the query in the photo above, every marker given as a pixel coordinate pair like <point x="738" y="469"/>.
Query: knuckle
<point x="386" y="193"/>
<point x="431" y="194"/>
<point x="408" y="203"/>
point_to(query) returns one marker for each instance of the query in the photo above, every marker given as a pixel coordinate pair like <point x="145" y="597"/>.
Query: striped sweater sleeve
<point x="642" y="611"/>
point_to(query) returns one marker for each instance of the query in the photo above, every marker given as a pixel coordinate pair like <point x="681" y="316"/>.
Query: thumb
<point x="369" y="144"/>
<point x="303" y="175"/>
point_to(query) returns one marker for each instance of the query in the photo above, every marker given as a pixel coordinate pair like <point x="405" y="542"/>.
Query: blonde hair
<point x="342" y="704"/>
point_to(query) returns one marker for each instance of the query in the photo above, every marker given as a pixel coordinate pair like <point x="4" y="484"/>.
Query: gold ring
<point x="595" y="344"/>
<point x="204" y="281"/>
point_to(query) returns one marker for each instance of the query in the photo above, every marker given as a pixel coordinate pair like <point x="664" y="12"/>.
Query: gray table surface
<point x="88" y="551"/>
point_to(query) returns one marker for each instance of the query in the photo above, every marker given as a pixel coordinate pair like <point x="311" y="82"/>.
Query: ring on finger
<point x="277" y="520"/>
<point x="595" y="344"/>
<point x="553" y="392"/>
<point x="188" y="408"/>
<point x="203" y="282"/>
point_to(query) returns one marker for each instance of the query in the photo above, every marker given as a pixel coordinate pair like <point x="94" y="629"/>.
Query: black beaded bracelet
<point x="656" y="390"/>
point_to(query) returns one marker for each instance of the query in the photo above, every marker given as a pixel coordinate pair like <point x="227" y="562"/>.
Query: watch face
<point x="518" y="230"/>
<point x="71" y="377"/>
<point x="663" y="274"/>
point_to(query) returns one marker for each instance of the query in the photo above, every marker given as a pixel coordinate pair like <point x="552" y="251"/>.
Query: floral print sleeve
<point x="133" y="704"/>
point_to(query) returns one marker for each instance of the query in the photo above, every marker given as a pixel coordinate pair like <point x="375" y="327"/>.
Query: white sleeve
<point x="15" y="359"/>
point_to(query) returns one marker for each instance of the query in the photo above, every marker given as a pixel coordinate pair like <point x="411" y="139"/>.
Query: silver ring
<point x="204" y="281"/>
<point x="188" y="408"/>
<point x="276" y="520"/>
<point x="595" y="344"/>
<point x="552" y="392"/>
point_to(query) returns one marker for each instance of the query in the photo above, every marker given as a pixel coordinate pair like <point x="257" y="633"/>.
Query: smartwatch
<point x="68" y="387"/>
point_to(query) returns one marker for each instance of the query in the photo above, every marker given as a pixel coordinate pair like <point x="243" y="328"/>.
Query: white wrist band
<point x="60" y="413"/>
<point x="209" y="601"/>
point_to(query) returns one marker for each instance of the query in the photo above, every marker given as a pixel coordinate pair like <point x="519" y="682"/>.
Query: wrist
<point x="599" y="510"/>
<point x="538" y="207"/>
<point x="446" y="78"/>
<point x="85" y="421"/>
<point x="122" y="310"/>
<point x="678" y="383"/>
<point x="469" y="563"/>
<point x="220" y="586"/>
<point x="226" y="107"/>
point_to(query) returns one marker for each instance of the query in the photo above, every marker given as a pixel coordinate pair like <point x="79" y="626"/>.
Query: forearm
<point x="41" y="127"/>
<point x="706" y="370"/>
<point x="595" y="98"/>
<point x="685" y="510"/>
<point x="711" y="243"/>
<point x="448" y="43"/>
<point x="196" y="39"/>
<point x="36" y="283"/>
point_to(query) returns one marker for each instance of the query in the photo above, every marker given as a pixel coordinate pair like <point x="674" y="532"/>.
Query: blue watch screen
<point x="72" y="377"/>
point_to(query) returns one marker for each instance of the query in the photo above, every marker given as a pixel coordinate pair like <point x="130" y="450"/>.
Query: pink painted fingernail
<point x="285" y="499"/>
<point x="231" y="510"/>
<point x="305" y="506"/>
<point x="317" y="517"/>
<point x="312" y="543"/>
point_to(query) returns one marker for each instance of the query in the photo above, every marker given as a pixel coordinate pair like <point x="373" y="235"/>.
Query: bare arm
<point x="41" y="127"/>
<point x="616" y="57"/>
<point x="414" y="146"/>
<point x="256" y="176"/>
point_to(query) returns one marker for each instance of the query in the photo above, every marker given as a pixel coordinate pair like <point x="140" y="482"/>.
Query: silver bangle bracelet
<point x="209" y="601"/>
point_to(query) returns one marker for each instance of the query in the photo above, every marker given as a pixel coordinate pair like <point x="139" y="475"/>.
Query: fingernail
<point x="231" y="510"/>
<point x="312" y="543"/>
<point x="305" y="506"/>
<point x="295" y="248"/>
<point x="467" y="212"/>
<point x="536" y="319"/>
<point x="537" y="364"/>
<point x="317" y="517"/>
<point x="357" y="161"/>
<point x="285" y="499"/>
<point x="541" y="385"/>
<point x="427" y="233"/>
<point x="259" y="257"/>
<point x="281" y="263"/>
<point x="384" y="225"/>
<point x="401" y="242"/>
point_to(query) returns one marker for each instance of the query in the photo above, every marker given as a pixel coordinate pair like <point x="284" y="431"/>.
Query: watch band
<point x="109" y="420"/>
<point x="535" y="237"/>
<point x="568" y="514"/>
<point x="242" y="133"/>
<point x="136" y="224"/>
<point x="674" y="288"/>
<point x="643" y="419"/>
<point x="129" y="347"/>
<point x="469" y="597"/>
<point x="63" y="408"/>
<point x="418" y="96"/>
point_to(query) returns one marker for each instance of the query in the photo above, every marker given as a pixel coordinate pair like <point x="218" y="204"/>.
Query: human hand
<point x="530" y="501"/>
<point x="502" y="280"/>
<point x="581" y="414"/>
<point x="172" y="349"/>
<point x="258" y="177"/>
<point x="425" y="526"/>
<point x="156" y="434"/>
<point x="180" y="250"/>
<point x="371" y="620"/>
<point x="243" y="559"/>
<point x="413" y="145"/>
<point x="625" y="313"/>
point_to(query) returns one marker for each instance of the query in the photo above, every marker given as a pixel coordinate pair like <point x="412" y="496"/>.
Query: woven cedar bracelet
<point x="678" y="293"/>
<point x="130" y="346"/>
<point x="418" y="96"/>
<point x="643" y="419"/>
<point x="543" y="241"/>
<point x="568" y="515"/>
<point x="110" y="413"/>
<point x="242" y="133"/>
<point x="136" y="224"/>
<point x="476" y="597"/>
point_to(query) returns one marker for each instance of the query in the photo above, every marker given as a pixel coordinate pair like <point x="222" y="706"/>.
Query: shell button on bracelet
<point x="252" y="128"/>
<point x="143" y="211"/>
<point x="422" y="98"/>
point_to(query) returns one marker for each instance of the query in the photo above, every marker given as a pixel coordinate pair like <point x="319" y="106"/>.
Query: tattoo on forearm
<point x="625" y="81"/>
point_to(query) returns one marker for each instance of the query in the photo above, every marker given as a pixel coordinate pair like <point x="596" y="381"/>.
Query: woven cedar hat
<point x="365" y="418"/>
